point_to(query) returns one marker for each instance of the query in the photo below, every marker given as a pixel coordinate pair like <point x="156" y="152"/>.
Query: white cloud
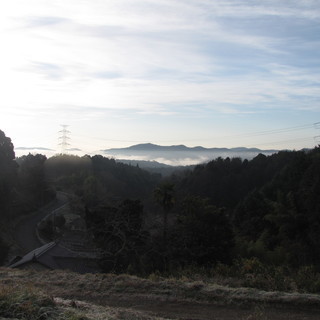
<point x="130" y="59"/>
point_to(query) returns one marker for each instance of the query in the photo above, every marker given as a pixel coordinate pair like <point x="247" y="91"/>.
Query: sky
<point x="215" y="73"/>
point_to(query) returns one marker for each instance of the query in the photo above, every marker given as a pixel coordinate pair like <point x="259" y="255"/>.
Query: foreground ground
<point x="115" y="297"/>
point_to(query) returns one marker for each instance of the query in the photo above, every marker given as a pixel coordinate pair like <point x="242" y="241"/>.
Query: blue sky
<point x="194" y="72"/>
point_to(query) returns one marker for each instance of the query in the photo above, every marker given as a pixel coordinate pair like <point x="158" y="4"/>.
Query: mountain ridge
<point x="181" y="147"/>
<point x="181" y="155"/>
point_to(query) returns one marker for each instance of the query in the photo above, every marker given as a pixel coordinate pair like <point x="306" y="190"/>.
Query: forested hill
<point x="96" y="179"/>
<point x="227" y="181"/>
<point x="273" y="202"/>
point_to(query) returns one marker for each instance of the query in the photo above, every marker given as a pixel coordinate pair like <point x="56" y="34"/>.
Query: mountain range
<point x="180" y="154"/>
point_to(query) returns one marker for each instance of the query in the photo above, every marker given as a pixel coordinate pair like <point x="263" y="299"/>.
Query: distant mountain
<point x="33" y="148"/>
<point x="73" y="149"/>
<point x="180" y="154"/>
<point x="155" y="147"/>
<point x="181" y="147"/>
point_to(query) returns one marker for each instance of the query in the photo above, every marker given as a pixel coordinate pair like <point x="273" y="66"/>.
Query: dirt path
<point x="205" y="311"/>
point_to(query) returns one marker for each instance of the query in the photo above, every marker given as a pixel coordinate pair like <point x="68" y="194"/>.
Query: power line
<point x="281" y="142"/>
<point x="252" y="134"/>
<point x="275" y="131"/>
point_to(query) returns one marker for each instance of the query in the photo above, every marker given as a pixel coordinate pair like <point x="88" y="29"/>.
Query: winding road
<point x="25" y="231"/>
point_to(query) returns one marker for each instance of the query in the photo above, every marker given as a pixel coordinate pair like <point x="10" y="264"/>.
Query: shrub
<point x="30" y="304"/>
<point x="307" y="279"/>
<point x="25" y="304"/>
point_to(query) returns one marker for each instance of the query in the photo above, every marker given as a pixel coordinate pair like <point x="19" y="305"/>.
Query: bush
<point x="30" y="304"/>
<point x="25" y="304"/>
<point x="255" y="274"/>
<point x="308" y="279"/>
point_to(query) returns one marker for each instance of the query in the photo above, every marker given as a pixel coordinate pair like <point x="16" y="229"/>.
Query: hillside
<point x="65" y="295"/>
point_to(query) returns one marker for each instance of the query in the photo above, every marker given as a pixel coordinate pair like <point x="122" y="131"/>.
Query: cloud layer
<point x="199" y="66"/>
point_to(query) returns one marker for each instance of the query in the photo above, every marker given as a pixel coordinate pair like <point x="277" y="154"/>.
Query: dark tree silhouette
<point x="117" y="231"/>
<point x="202" y="235"/>
<point x="8" y="170"/>
<point x="164" y="195"/>
<point x="32" y="180"/>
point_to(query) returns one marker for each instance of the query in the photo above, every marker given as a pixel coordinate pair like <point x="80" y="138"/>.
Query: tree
<point x="92" y="191"/>
<point x="8" y="169"/>
<point x="32" y="179"/>
<point x="203" y="234"/>
<point x="284" y="214"/>
<point x="164" y="196"/>
<point x="117" y="231"/>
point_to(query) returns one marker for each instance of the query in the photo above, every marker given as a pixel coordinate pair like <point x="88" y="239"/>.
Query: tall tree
<point x="32" y="179"/>
<point x="164" y="195"/>
<point x="8" y="169"/>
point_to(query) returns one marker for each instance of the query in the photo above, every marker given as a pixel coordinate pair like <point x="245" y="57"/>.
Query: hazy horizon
<point x="197" y="72"/>
<point x="170" y="155"/>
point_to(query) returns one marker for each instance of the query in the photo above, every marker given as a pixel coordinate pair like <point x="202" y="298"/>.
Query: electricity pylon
<point x="64" y="138"/>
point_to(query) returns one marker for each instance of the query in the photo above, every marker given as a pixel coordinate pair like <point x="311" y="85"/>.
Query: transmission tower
<point x="64" y="138"/>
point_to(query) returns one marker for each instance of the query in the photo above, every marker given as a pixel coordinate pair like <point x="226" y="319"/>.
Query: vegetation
<point x="8" y="171"/>
<point x="98" y="179"/>
<point x="189" y="294"/>
<point x="30" y="304"/>
<point x="23" y="187"/>
<point x="264" y="212"/>
<point x="118" y="231"/>
<point x="231" y="209"/>
<point x="27" y="303"/>
<point x="202" y="235"/>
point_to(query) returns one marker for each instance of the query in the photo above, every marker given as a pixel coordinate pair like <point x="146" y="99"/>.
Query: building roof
<point x="54" y="256"/>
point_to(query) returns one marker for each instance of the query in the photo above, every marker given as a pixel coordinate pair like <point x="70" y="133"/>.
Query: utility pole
<point x="64" y="138"/>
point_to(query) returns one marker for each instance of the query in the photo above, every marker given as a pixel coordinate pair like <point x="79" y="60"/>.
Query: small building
<point x="52" y="256"/>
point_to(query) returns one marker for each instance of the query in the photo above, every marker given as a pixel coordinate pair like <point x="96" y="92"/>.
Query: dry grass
<point x="71" y="296"/>
<point x="103" y="287"/>
<point x="27" y="302"/>
<point x="96" y="312"/>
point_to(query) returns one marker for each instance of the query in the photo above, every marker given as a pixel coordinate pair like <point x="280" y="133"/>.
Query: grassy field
<point x="65" y="295"/>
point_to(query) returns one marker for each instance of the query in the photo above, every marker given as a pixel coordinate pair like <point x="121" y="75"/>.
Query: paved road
<point x="25" y="231"/>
